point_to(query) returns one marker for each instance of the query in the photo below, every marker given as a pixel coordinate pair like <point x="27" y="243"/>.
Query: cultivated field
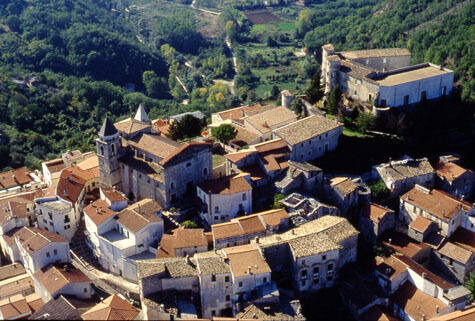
<point x="257" y="17"/>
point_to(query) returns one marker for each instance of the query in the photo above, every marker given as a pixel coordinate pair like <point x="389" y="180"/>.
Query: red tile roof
<point x="181" y="238"/>
<point x="70" y="185"/>
<point x="53" y="278"/>
<point x="466" y="315"/>
<point x="403" y="244"/>
<point x="55" y="165"/>
<point x="140" y="214"/>
<point x="244" y="258"/>
<point x="376" y="212"/>
<point x="115" y="307"/>
<point x="33" y="239"/>
<point x="14" y="178"/>
<point x="421" y="224"/>
<point x="11" y="210"/>
<point x="464" y="238"/>
<point x="226" y="185"/>
<point x="99" y="211"/>
<point x="449" y="171"/>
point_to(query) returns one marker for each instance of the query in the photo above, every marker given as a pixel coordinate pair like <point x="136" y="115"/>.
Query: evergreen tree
<point x="334" y="100"/>
<point x="224" y="132"/>
<point x="314" y="92"/>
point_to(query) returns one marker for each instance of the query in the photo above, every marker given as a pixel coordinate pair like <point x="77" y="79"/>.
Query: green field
<point x="263" y="90"/>
<point x="287" y="26"/>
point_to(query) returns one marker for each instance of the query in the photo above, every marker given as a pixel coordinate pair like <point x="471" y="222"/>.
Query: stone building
<point x="401" y="175"/>
<point x="455" y="179"/>
<point x="383" y="76"/>
<point x="143" y="164"/>
<point x="310" y="137"/>
<point x="311" y="254"/>
<point x="182" y="242"/>
<point x="454" y="260"/>
<point x="445" y="210"/>
<point x="421" y="228"/>
<point x="303" y="176"/>
<point x="375" y="220"/>
<point x="308" y="207"/>
<point x="343" y="191"/>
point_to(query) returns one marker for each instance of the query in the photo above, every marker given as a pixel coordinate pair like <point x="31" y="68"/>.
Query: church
<point x="142" y="163"/>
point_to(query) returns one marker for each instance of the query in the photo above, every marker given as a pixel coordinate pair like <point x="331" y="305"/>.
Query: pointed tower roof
<point x="108" y="128"/>
<point x="141" y="115"/>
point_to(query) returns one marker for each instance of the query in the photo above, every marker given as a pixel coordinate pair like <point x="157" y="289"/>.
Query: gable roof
<point x="466" y="315"/>
<point x="375" y="53"/>
<point x="437" y="203"/>
<point x="11" y="270"/>
<point x="343" y="184"/>
<point x="14" y="307"/>
<point x="12" y="210"/>
<point x="55" y="165"/>
<point x="421" y="224"/>
<point x="226" y="185"/>
<point x="246" y="259"/>
<point x="34" y="239"/>
<point x="156" y="145"/>
<point x="107" y="128"/>
<point x="270" y="118"/>
<point x="306" y="128"/>
<point x="140" y="214"/>
<point x="455" y="252"/>
<point x="243" y="111"/>
<point x="187" y="147"/>
<point x="99" y="211"/>
<point x="53" y="278"/>
<point x="376" y="212"/>
<point x="450" y="171"/>
<point x="405" y="168"/>
<point x="403" y="244"/>
<point x="70" y="184"/>
<point x="115" y="307"/>
<point x="14" y="178"/>
<point x="464" y="238"/>
<point x="56" y="309"/>
<point x="181" y="238"/>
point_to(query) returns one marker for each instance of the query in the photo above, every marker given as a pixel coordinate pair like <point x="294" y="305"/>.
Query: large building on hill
<point x="384" y="77"/>
<point x="144" y="164"/>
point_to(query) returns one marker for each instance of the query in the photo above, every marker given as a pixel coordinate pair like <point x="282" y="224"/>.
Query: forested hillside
<point x="438" y="31"/>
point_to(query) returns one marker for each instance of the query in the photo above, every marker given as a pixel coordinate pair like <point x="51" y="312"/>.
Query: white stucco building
<point x="224" y="198"/>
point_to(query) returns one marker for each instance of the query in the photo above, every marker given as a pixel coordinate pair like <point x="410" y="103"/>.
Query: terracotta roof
<point x="378" y="313"/>
<point x="455" y="252"/>
<point x="244" y="137"/>
<point x="115" y="307"/>
<point x="264" y="121"/>
<point x="274" y="217"/>
<point x="244" y="258"/>
<point x="421" y="224"/>
<point x="162" y="126"/>
<point x="376" y="212"/>
<point x="251" y="224"/>
<point x="28" y="197"/>
<point x="415" y="302"/>
<point x="11" y="270"/>
<point x="99" y="211"/>
<point x="467" y="315"/>
<point x="437" y="203"/>
<point x="391" y="267"/>
<point x="53" y="278"/>
<point x="255" y="172"/>
<point x="140" y="214"/>
<point x="306" y="128"/>
<point x="14" y="307"/>
<point x="21" y="284"/>
<point x="34" y="301"/>
<point x="375" y="53"/>
<point x="71" y="183"/>
<point x="274" y="154"/>
<point x="241" y="112"/>
<point x="227" y="230"/>
<point x="449" y="170"/>
<point x="185" y="148"/>
<point x="11" y="210"/>
<point x="403" y="244"/>
<point x="156" y="145"/>
<point x="113" y="195"/>
<point x="14" y="178"/>
<point x="422" y="271"/>
<point x="181" y="238"/>
<point x="236" y="157"/>
<point x="48" y="192"/>
<point x="464" y="238"/>
<point x="33" y="239"/>
<point x="90" y="163"/>
<point x="226" y="185"/>
<point x="130" y="126"/>
<point x="55" y="165"/>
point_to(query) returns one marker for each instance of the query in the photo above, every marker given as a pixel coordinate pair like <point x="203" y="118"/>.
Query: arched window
<point x="172" y="185"/>
<point x="102" y="150"/>
<point x="188" y="164"/>
<point x="205" y="171"/>
<point x="113" y="149"/>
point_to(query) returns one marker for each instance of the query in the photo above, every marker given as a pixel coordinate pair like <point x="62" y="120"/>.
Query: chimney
<point x="436" y="309"/>
<point x="257" y="239"/>
<point x="390" y="160"/>
<point x="423" y="318"/>
<point x="249" y="270"/>
<point x="188" y="261"/>
<point x="424" y="274"/>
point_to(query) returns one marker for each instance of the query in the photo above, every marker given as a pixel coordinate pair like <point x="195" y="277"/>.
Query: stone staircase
<point x="80" y="249"/>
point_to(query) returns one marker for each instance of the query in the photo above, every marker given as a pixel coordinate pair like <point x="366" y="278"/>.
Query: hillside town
<point x="248" y="226"/>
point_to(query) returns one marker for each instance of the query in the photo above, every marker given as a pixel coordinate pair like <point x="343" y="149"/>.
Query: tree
<point x="189" y="224"/>
<point x="275" y="91"/>
<point x="190" y="126"/>
<point x="297" y="106"/>
<point x="365" y="121"/>
<point x="334" y="100"/>
<point x="14" y="23"/>
<point x="231" y="30"/>
<point x="224" y="132"/>
<point x="470" y="285"/>
<point x="378" y="189"/>
<point x="277" y="201"/>
<point x="314" y="92"/>
<point x="156" y="87"/>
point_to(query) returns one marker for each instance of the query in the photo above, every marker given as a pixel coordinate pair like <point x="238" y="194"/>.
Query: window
<point x="213" y="313"/>
<point x="367" y="61"/>
<point x="244" y="196"/>
<point x="326" y="135"/>
<point x="330" y="268"/>
<point x="444" y="90"/>
<point x="216" y="209"/>
<point x="188" y="164"/>
<point x="45" y="221"/>
<point x="301" y="155"/>
<point x="324" y="257"/>
<point x="226" y="279"/>
<point x="66" y="219"/>
<point x="51" y="223"/>
<point x="384" y="60"/>
<point x="172" y="185"/>
<point x="303" y="274"/>
<point x="205" y="171"/>
<point x="451" y="262"/>
<point x="113" y="149"/>
<point x="303" y="262"/>
<point x="316" y="280"/>
<point x="55" y="252"/>
<point x="213" y="278"/>
<point x="310" y="142"/>
<point x="383" y="102"/>
<point x="309" y="153"/>
<point x="316" y="271"/>
<point x="85" y="289"/>
<point x="423" y="95"/>
<point x="47" y="254"/>
<point x="330" y="277"/>
<point x="66" y="227"/>
<point x="228" y="298"/>
<point x="406" y="99"/>
<point x="301" y="145"/>
<point x="216" y="218"/>
<point x="50" y="215"/>
<point x="265" y="280"/>
<point x="320" y="137"/>
<point x="303" y="283"/>
<point x="102" y="150"/>
<point x="240" y="284"/>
